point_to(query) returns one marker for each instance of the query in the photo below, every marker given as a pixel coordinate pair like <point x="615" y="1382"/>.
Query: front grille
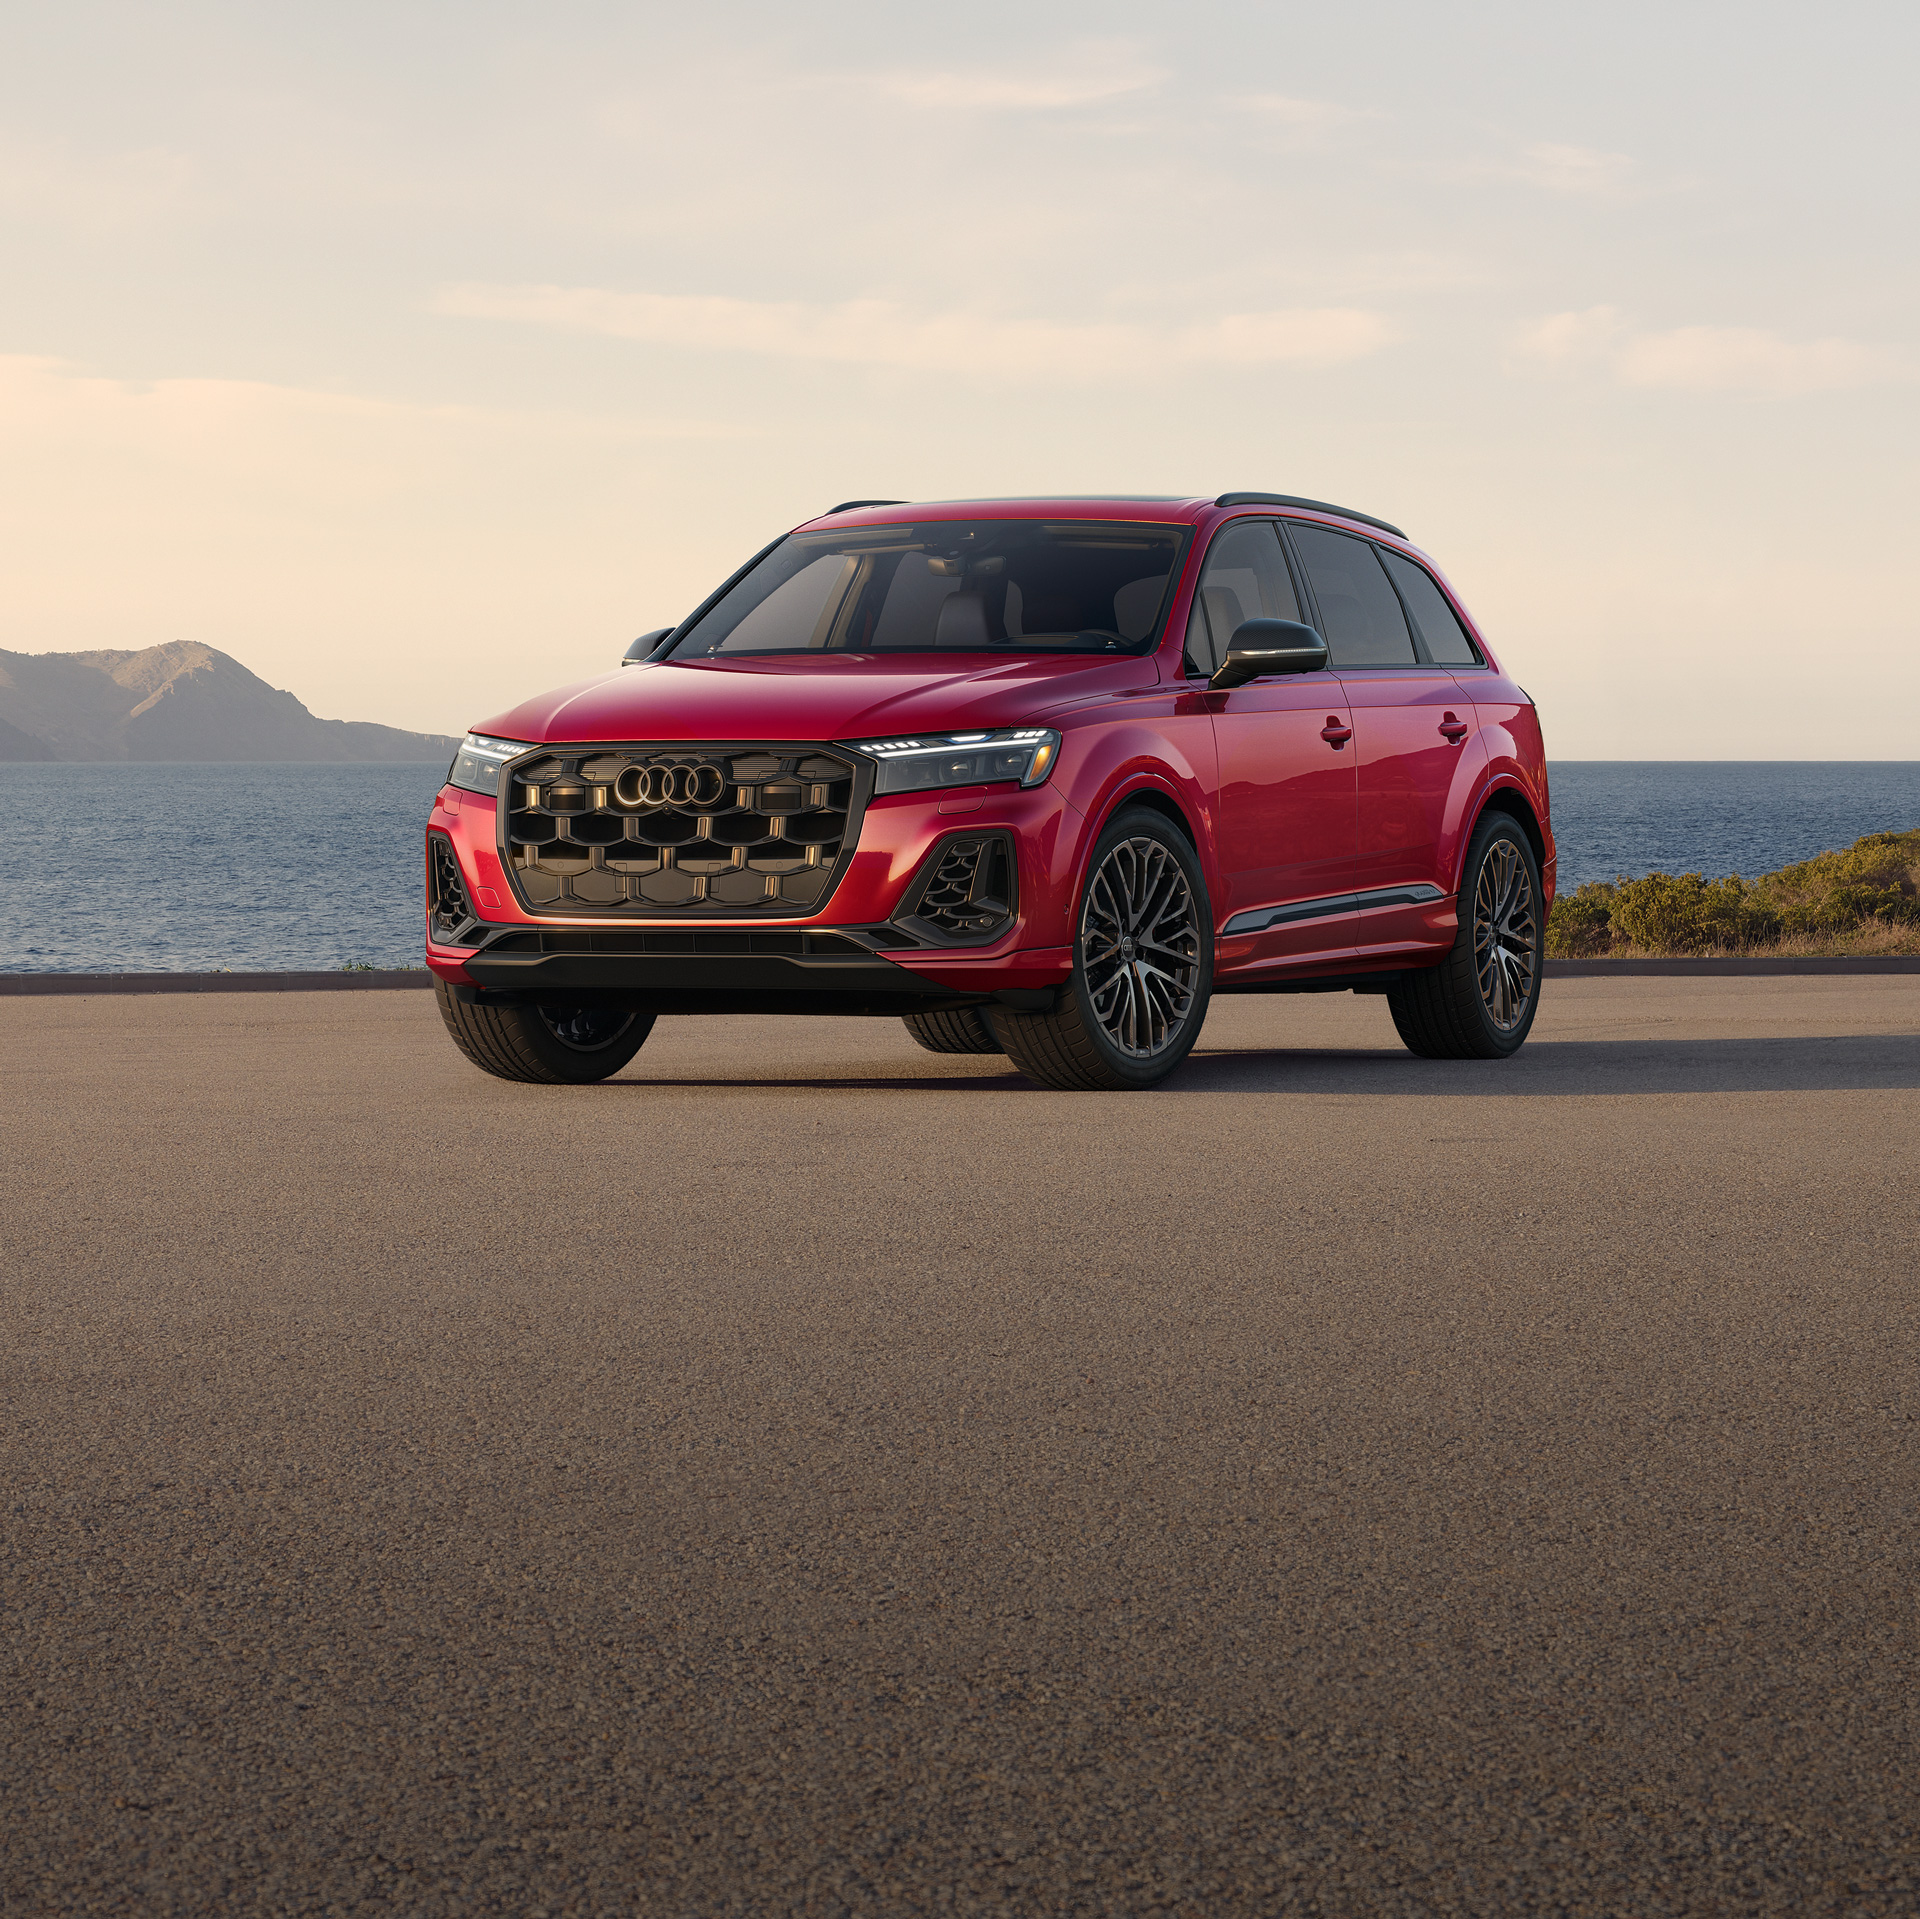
<point x="450" y="915"/>
<point x="728" y="831"/>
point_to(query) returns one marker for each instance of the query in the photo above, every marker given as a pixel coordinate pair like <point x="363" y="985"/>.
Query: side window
<point x="1365" y="626"/>
<point x="1246" y="578"/>
<point x="1440" y="628"/>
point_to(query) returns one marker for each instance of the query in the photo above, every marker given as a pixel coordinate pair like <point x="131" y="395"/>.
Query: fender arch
<point x="1155" y="799"/>
<point x="1512" y="801"/>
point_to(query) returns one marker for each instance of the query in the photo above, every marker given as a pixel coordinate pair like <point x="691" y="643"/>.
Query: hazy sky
<point x="420" y="355"/>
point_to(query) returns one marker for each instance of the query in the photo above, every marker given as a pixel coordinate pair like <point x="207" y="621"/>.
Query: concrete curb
<point x="375" y="981"/>
<point x="12" y="984"/>
<point x="1726" y="968"/>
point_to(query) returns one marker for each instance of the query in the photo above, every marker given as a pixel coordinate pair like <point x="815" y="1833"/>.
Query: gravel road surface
<point x="808" y="1475"/>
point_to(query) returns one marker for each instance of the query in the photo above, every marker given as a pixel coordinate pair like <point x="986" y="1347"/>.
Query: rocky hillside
<point x="181" y="701"/>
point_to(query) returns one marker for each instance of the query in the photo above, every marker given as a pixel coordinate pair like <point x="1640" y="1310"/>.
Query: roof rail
<point x="847" y="506"/>
<point x="1315" y="506"/>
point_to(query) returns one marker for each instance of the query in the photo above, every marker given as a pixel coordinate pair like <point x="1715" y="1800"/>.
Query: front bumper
<point x="863" y="952"/>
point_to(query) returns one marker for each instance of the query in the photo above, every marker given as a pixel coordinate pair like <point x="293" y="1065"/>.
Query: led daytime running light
<point x="919" y="762"/>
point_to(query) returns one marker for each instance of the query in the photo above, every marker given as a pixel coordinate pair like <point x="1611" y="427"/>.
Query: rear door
<point x="1284" y="818"/>
<point x="1416" y="746"/>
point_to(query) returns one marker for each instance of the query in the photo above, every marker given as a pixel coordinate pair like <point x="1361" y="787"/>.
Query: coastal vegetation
<point x="1864" y="899"/>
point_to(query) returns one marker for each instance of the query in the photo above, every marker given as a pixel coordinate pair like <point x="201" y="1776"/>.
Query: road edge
<point x="378" y="980"/>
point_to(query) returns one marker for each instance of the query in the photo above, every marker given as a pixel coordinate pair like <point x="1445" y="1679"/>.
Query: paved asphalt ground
<point x="812" y="1476"/>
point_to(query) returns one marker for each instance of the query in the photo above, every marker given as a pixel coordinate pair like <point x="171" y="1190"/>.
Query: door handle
<point x="1453" y="729"/>
<point x="1335" y="735"/>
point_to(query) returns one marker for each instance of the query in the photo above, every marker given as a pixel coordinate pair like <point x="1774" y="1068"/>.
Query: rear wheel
<point x="1479" y="1002"/>
<point x="965" y="1031"/>
<point x="544" y="1045"/>
<point x="1142" y="968"/>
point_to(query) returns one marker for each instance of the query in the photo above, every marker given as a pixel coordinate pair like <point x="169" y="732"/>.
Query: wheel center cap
<point x="1126" y="946"/>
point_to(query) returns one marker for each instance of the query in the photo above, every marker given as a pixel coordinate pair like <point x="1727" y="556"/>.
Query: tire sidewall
<point x="1129" y="823"/>
<point x="1494" y="827"/>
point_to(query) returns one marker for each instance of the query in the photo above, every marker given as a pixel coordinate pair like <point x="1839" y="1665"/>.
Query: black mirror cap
<point x="1269" y="646"/>
<point x="645" y="646"/>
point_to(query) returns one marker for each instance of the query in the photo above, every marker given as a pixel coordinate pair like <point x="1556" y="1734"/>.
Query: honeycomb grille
<point x="968" y="895"/>
<point x="722" y="831"/>
<point x="450" y="914"/>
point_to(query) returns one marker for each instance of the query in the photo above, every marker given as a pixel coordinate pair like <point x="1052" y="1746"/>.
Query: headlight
<point x="477" y="764"/>
<point x="1025" y="754"/>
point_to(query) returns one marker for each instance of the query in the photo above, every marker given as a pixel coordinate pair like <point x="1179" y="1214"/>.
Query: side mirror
<point x="643" y="648"/>
<point x="1269" y="646"/>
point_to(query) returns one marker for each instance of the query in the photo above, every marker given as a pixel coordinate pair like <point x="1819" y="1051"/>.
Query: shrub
<point x="1687" y="914"/>
<point x="1877" y="877"/>
<point x="1580" y="925"/>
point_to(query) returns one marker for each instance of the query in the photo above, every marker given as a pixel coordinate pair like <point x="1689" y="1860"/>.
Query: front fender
<point x="1160" y="743"/>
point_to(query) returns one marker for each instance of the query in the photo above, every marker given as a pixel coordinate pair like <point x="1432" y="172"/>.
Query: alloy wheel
<point x="1505" y="935"/>
<point x="586" y="1028"/>
<point x="1140" y="947"/>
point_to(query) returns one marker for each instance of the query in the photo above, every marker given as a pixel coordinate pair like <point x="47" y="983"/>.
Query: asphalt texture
<point x="809" y="1475"/>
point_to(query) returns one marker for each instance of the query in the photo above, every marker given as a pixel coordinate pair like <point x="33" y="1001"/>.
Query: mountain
<point x="181" y="701"/>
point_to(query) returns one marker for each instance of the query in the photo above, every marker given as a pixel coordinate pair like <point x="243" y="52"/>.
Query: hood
<point x="823" y="696"/>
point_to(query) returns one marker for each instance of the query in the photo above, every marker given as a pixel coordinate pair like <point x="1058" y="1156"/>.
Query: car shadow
<point x="1557" y="1069"/>
<point x="1544" y="1069"/>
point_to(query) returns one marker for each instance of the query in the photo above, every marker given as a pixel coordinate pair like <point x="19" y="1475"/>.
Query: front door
<point x="1413" y="734"/>
<point x="1284" y="822"/>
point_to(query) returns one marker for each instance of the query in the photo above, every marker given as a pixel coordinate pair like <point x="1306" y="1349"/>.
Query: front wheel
<point x="1479" y="1002"/>
<point x="1142" y="968"/>
<point x="544" y="1045"/>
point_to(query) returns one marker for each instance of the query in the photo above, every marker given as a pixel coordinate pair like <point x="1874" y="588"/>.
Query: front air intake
<point x="635" y="831"/>
<point x="451" y="919"/>
<point x="964" y="893"/>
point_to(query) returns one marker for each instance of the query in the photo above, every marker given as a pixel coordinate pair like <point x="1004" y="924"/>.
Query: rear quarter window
<point x="1446" y="639"/>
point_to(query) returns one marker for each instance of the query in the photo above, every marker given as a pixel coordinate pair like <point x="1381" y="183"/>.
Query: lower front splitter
<point x="714" y="983"/>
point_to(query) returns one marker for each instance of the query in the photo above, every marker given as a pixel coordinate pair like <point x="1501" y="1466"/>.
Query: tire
<point x="1479" y="1002"/>
<point x="544" y="1046"/>
<point x="964" y="1031"/>
<point x="1123" y="1023"/>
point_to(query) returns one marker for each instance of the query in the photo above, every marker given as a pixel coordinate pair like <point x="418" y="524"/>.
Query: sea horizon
<point x="314" y="865"/>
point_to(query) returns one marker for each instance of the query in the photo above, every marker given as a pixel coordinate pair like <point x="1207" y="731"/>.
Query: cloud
<point x="1091" y="73"/>
<point x="1746" y="361"/>
<point x="881" y="333"/>
<point x="103" y="192"/>
<point x="1301" y="123"/>
<point x="1577" y="170"/>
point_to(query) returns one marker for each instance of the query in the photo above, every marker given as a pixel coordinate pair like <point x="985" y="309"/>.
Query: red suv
<point x="1038" y="776"/>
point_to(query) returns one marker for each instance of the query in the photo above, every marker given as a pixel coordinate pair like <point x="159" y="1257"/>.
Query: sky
<point x="421" y="355"/>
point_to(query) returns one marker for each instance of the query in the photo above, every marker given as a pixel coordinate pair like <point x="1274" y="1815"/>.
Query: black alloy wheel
<point x="1479" y="1002"/>
<point x="1142" y="968"/>
<point x="563" y="1045"/>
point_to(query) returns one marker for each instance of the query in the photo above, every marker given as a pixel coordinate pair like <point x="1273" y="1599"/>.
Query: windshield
<point x="980" y="586"/>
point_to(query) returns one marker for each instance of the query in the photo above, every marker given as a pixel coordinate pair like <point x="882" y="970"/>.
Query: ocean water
<point x="1720" y="816"/>
<point x="307" y="868"/>
<point x="162" y="869"/>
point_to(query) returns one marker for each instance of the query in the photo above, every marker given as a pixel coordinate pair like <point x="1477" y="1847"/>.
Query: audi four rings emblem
<point x="669" y="785"/>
